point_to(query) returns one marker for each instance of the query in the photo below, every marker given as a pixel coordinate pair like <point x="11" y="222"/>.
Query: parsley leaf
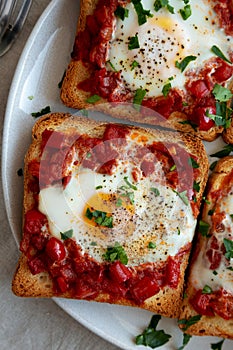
<point x="116" y="253"/>
<point x="189" y="122"/>
<point x="138" y="98"/>
<point x="183" y="196"/>
<point x="188" y="323"/>
<point x="66" y="234"/>
<point x="196" y="186"/>
<point x="221" y="93"/>
<point x="63" y="77"/>
<point x="100" y="217"/>
<point x="121" y="12"/>
<point x="141" y="12"/>
<point x="207" y="290"/>
<point x="186" y="12"/>
<point x="183" y="64"/>
<point x="133" y="43"/>
<point x="130" y="185"/>
<point x="228" y="244"/>
<point x="217" y="346"/>
<point x="42" y="112"/>
<point x="167" y="87"/>
<point x="151" y="245"/>
<point x="224" y="152"/>
<point x="193" y="163"/>
<point x="152" y="337"/>
<point x="134" y="64"/>
<point x="158" y="4"/>
<point x="186" y="339"/>
<point x="204" y="228"/>
<point x="93" y="99"/>
<point x="155" y="190"/>
<point x="219" y="53"/>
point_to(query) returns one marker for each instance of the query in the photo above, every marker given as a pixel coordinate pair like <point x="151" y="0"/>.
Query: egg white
<point x="164" y="39"/>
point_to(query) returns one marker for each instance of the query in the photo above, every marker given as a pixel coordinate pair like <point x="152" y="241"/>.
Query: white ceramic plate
<point x="39" y="71"/>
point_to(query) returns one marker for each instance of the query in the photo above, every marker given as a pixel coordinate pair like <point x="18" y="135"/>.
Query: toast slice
<point x="209" y="292"/>
<point x="92" y="80"/>
<point x="109" y="212"/>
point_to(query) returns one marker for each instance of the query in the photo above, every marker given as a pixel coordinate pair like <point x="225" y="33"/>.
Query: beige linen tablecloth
<point x="31" y="323"/>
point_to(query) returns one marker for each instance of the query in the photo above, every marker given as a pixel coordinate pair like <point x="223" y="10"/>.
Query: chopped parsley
<point x="204" y="228"/>
<point x="119" y="202"/>
<point x="138" y="98"/>
<point x="219" y="53"/>
<point x="93" y="99"/>
<point x="63" y="77"/>
<point x="167" y="87"/>
<point x="133" y="43"/>
<point x="186" y="339"/>
<point x="151" y="245"/>
<point x="66" y="234"/>
<point x="191" y="321"/>
<point x="121" y="12"/>
<point x="129" y="184"/>
<point x="99" y="187"/>
<point x="151" y="336"/>
<point x="224" y="152"/>
<point x="111" y="65"/>
<point x="141" y="12"/>
<point x="186" y="12"/>
<point x="116" y="253"/>
<point x="173" y="167"/>
<point x="213" y="165"/>
<point x="84" y="112"/>
<point x="100" y="217"/>
<point x="184" y="63"/>
<point x="158" y="4"/>
<point x="42" y="112"/>
<point x="193" y="163"/>
<point x="196" y="186"/>
<point x="207" y="290"/>
<point x="125" y="189"/>
<point x="189" y="122"/>
<point x="217" y="346"/>
<point x="155" y="191"/>
<point x="134" y="64"/>
<point x="228" y="244"/>
<point x="211" y="212"/>
<point x="31" y="97"/>
<point x="183" y="196"/>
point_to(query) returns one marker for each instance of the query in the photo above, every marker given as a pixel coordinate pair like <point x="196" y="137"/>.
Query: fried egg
<point x="165" y="39"/>
<point x="138" y="214"/>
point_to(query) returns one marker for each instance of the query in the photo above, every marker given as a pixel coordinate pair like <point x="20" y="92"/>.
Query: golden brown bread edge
<point x="214" y="326"/>
<point x="167" y="301"/>
<point x="73" y="97"/>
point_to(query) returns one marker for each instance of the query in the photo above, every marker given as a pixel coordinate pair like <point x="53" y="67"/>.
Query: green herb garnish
<point x="141" y="12"/>
<point x="183" y="196"/>
<point x="66" y="234"/>
<point x="189" y="122"/>
<point x="133" y="43"/>
<point x="207" y="290"/>
<point x="63" y="77"/>
<point x="193" y="163"/>
<point x="191" y="321"/>
<point x="204" y="228"/>
<point x="196" y="186"/>
<point x="121" y="12"/>
<point x="99" y="187"/>
<point x="213" y="165"/>
<point x="155" y="190"/>
<point x="219" y="53"/>
<point x="217" y="346"/>
<point x="100" y="217"/>
<point x="93" y="99"/>
<point x="228" y="244"/>
<point x="129" y="184"/>
<point x="134" y="64"/>
<point x="186" y="12"/>
<point x="111" y="65"/>
<point x="42" y="112"/>
<point x="138" y="98"/>
<point x="184" y="63"/>
<point x="224" y="152"/>
<point x="151" y="245"/>
<point x="151" y="336"/>
<point x="116" y="253"/>
<point x="158" y="4"/>
<point x="186" y="339"/>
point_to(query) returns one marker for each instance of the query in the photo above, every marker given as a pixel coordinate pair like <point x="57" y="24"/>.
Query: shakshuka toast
<point x="109" y="212"/>
<point x="167" y="65"/>
<point x="209" y="294"/>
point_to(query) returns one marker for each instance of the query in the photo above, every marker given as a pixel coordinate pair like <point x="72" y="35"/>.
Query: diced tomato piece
<point x="119" y="272"/>
<point x="223" y="73"/>
<point x="204" y="122"/>
<point x="114" y="131"/>
<point x="172" y="272"/>
<point x="104" y="152"/>
<point x="83" y="290"/>
<point x="222" y="304"/>
<point x="108" y="167"/>
<point x="201" y="303"/>
<point x="198" y="88"/>
<point x="147" y="168"/>
<point x="34" y="221"/>
<point x="144" y="289"/>
<point x="36" y="265"/>
<point x="62" y="284"/>
<point x="55" y="249"/>
<point x="38" y="241"/>
<point x="214" y="257"/>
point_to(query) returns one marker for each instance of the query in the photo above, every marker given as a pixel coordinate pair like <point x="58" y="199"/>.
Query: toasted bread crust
<point x="167" y="301"/>
<point x="78" y="71"/>
<point x="214" y="326"/>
